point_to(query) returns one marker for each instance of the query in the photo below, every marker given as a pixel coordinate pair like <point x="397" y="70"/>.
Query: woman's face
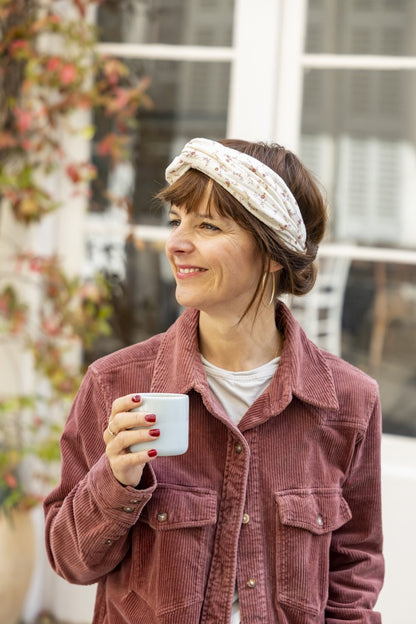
<point x="216" y="263"/>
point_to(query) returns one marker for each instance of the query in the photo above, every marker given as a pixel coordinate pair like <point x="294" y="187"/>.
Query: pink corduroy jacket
<point x="287" y="505"/>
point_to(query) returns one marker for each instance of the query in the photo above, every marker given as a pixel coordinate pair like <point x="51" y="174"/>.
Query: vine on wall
<point x="49" y="69"/>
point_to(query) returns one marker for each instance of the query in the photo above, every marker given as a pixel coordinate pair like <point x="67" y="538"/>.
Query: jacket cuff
<point x="118" y="500"/>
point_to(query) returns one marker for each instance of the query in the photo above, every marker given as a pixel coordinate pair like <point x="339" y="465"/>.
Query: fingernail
<point x="136" y="398"/>
<point x="150" y="418"/>
<point x="155" y="433"/>
<point x="152" y="453"/>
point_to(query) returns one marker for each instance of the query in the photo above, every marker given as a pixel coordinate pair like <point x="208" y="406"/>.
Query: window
<point x="189" y="87"/>
<point x="331" y="79"/>
<point x="358" y="135"/>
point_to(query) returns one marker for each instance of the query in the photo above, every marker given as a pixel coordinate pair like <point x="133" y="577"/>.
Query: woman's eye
<point x="173" y="223"/>
<point x="209" y="226"/>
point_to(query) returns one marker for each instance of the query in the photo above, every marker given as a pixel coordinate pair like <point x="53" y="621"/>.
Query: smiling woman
<point x="214" y="261"/>
<point x="237" y="528"/>
<point x="192" y="187"/>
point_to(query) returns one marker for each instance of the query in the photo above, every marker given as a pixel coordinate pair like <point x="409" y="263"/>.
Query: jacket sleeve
<point x="88" y="516"/>
<point x="356" y="560"/>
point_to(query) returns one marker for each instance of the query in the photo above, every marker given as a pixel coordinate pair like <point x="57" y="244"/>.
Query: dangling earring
<point x="272" y="297"/>
<point x="263" y="286"/>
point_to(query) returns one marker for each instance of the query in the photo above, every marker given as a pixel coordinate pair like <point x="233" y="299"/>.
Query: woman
<point x="273" y="514"/>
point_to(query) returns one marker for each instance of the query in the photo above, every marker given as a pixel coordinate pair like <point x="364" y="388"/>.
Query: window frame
<point x="275" y="92"/>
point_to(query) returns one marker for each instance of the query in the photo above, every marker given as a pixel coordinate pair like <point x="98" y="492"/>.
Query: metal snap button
<point x="238" y="448"/>
<point x="162" y="516"/>
<point x="246" y="518"/>
<point x="251" y="583"/>
<point x="320" y="520"/>
<point x="128" y="509"/>
<point x="108" y="542"/>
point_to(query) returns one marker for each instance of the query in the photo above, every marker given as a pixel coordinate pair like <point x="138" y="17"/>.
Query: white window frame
<point x="267" y="65"/>
<point x="265" y="60"/>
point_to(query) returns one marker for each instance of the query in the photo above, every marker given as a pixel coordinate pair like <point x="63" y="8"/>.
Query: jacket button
<point x="320" y="521"/>
<point x="128" y="509"/>
<point x="162" y="516"/>
<point x="251" y="583"/>
<point x="238" y="448"/>
<point x="246" y="518"/>
<point x="108" y="542"/>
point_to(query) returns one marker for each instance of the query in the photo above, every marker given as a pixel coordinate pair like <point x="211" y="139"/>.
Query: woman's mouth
<point x="188" y="271"/>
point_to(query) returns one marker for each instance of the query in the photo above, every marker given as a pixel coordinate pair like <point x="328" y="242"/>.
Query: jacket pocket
<point x="305" y="520"/>
<point x="171" y="547"/>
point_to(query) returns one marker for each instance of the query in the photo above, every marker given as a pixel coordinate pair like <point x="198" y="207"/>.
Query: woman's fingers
<point x="122" y="418"/>
<point x="125" y="438"/>
<point x="125" y="403"/>
<point x="124" y="429"/>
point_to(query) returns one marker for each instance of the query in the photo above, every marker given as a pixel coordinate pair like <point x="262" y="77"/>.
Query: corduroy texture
<point x="304" y="464"/>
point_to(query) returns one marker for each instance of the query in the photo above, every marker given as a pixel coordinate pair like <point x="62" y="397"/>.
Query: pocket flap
<point x="319" y="511"/>
<point x="176" y="507"/>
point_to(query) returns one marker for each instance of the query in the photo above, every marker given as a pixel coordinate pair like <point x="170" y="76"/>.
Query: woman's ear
<point x="275" y="266"/>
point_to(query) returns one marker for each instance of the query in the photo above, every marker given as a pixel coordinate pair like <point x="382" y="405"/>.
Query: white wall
<point x="397" y="599"/>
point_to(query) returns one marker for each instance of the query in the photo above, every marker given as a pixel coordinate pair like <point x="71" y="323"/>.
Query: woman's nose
<point x="179" y="240"/>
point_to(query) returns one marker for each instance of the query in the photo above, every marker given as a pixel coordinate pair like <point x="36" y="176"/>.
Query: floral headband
<point x="257" y="187"/>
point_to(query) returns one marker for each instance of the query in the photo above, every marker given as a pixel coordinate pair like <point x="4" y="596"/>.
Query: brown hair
<point x="298" y="272"/>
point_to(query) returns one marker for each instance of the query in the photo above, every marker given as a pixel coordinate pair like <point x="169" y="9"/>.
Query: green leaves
<point x="71" y="313"/>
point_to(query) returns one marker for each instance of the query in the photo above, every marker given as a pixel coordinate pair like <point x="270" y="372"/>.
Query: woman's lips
<point x="188" y="271"/>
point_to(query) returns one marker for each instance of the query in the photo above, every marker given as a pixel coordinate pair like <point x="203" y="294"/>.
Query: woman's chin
<point x="186" y="301"/>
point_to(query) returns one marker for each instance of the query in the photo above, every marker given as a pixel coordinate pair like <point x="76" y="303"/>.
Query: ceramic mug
<point x="172" y="418"/>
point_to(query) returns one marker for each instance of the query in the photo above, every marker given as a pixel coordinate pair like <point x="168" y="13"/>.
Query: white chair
<point x="320" y="311"/>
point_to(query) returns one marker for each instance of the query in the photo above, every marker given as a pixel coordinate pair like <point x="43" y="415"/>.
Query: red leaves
<point x="7" y="140"/>
<point x="56" y="81"/>
<point x="24" y="119"/>
<point x="114" y="146"/>
<point x="20" y="49"/>
<point x="68" y="73"/>
<point x="80" y="172"/>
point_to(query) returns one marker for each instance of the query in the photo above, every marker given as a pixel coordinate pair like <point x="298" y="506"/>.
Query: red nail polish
<point x="155" y="433"/>
<point x="150" y="418"/>
<point x="136" y="398"/>
<point x="152" y="453"/>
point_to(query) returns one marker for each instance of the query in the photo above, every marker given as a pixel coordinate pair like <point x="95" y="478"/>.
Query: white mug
<point x="172" y="418"/>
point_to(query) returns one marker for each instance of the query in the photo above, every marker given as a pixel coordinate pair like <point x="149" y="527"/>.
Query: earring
<point x="263" y="286"/>
<point x="272" y="297"/>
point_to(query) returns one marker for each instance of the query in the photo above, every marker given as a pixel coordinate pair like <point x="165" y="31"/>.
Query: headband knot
<point x="257" y="187"/>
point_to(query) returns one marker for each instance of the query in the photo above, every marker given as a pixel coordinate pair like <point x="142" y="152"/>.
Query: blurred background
<point x="334" y="80"/>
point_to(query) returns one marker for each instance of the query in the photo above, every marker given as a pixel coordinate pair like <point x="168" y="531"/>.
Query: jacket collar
<point x="303" y="371"/>
<point x="178" y="366"/>
<point x="303" y="367"/>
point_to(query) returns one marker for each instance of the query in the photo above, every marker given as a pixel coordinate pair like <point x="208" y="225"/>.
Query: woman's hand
<point x="127" y="467"/>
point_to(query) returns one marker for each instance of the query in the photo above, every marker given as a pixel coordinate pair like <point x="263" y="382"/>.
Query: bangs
<point x="189" y="190"/>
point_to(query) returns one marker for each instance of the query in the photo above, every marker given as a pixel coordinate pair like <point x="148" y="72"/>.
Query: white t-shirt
<point x="236" y="391"/>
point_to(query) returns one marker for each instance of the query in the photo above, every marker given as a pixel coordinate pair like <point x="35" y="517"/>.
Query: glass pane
<point x="383" y="27"/>
<point x="189" y="99"/>
<point x="379" y="331"/>
<point x="175" y="22"/>
<point x="358" y="135"/>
